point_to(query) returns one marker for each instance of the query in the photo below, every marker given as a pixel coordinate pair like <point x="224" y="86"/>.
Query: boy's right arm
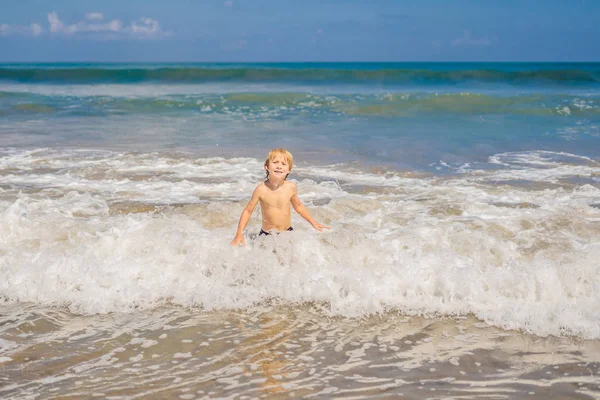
<point x="245" y="217"/>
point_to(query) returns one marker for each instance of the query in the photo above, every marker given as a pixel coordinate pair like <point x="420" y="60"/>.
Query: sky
<point x="298" y="30"/>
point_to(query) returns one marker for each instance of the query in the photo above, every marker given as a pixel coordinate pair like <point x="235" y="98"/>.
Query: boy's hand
<point x="319" y="226"/>
<point x="237" y="240"/>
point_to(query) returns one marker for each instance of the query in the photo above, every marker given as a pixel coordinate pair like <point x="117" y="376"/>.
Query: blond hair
<point x="289" y="159"/>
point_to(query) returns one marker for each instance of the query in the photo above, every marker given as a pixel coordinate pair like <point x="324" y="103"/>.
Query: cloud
<point x="58" y="27"/>
<point x="36" y="29"/>
<point x="146" y="26"/>
<point x="468" y="40"/>
<point x="94" y="25"/>
<point x="23" y="30"/>
<point x="228" y="3"/>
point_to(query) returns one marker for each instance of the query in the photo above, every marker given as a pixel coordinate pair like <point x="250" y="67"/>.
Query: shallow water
<point x="284" y="352"/>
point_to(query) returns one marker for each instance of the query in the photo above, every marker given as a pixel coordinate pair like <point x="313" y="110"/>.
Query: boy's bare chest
<point x="276" y="199"/>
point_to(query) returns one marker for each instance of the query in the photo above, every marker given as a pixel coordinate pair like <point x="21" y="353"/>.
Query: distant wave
<point x="276" y="104"/>
<point x="312" y="75"/>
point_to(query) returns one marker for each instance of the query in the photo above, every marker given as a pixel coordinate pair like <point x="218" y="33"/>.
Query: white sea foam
<point x="539" y="166"/>
<point x="101" y="232"/>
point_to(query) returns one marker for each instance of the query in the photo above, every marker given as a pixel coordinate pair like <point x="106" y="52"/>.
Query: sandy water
<point x="284" y="352"/>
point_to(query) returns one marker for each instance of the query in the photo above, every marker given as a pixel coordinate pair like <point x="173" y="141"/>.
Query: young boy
<point x="275" y="195"/>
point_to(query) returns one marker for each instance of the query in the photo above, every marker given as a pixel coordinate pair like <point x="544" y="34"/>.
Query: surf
<point x="120" y="232"/>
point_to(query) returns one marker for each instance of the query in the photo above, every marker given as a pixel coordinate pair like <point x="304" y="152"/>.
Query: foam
<point x="534" y="166"/>
<point x="429" y="245"/>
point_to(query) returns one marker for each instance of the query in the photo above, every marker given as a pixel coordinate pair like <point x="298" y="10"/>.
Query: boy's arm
<point x="301" y="209"/>
<point x="245" y="217"/>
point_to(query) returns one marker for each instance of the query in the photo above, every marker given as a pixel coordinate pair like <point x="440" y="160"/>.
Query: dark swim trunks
<point x="267" y="233"/>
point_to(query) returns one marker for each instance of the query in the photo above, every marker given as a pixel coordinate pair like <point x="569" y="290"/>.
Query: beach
<point x="462" y="260"/>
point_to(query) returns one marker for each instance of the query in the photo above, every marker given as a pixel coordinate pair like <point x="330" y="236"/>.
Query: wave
<point x="257" y="104"/>
<point x="102" y="232"/>
<point x="313" y="74"/>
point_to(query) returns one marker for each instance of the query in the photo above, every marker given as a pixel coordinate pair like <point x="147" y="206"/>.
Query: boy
<point x="275" y="195"/>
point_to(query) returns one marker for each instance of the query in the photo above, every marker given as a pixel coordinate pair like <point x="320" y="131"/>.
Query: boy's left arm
<point x="301" y="209"/>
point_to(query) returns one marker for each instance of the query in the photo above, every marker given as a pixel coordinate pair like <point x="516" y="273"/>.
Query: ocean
<point x="462" y="259"/>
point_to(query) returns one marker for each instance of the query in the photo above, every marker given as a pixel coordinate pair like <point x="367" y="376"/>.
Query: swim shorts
<point x="262" y="232"/>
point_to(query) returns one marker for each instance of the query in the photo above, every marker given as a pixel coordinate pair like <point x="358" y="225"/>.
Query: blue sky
<point x="306" y="30"/>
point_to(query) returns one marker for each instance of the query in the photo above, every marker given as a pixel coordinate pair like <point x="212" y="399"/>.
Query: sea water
<point x="462" y="260"/>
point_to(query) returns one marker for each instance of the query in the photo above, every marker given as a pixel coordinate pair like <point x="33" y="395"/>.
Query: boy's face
<point x="278" y="167"/>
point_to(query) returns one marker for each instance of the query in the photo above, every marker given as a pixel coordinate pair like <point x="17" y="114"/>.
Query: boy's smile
<point x="278" y="167"/>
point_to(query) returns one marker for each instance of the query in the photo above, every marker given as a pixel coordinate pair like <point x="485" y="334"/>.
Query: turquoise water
<point x="418" y="116"/>
<point x="326" y="73"/>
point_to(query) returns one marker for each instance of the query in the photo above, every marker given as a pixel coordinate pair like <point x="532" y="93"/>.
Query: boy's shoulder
<point x="260" y="187"/>
<point x="290" y="185"/>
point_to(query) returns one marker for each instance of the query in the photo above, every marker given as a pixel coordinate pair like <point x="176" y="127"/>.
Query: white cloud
<point x="468" y="40"/>
<point x="94" y="16"/>
<point x="59" y="27"/>
<point x="95" y="26"/>
<point x="228" y="3"/>
<point x="23" y="30"/>
<point x="145" y="26"/>
<point x="56" y="24"/>
<point x="36" y="29"/>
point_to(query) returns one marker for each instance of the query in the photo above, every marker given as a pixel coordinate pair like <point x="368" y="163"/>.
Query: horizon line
<point x="306" y="62"/>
